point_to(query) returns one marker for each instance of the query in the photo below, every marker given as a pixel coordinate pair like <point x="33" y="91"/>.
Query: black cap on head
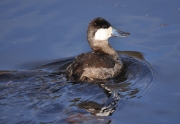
<point x="99" y="23"/>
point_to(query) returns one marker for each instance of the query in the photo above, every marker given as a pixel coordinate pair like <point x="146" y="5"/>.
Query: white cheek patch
<point x="103" y="34"/>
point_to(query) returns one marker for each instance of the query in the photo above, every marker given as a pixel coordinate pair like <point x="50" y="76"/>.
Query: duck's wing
<point x="88" y="60"/>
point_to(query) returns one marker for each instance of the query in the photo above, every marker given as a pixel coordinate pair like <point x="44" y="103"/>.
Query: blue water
<point x="38" y="37"/>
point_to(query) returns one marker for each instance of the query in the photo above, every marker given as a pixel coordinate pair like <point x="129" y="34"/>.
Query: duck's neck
<point x="105" y="47"/>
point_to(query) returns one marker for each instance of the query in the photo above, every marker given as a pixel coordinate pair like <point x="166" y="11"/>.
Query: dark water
<point x="39" y="38"/>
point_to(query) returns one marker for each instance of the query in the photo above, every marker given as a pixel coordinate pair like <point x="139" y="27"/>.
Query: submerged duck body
<point x="103" y="62"/>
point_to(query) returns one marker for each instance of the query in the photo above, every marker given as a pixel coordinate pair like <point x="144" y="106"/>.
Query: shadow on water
<point x="41" y="93"/>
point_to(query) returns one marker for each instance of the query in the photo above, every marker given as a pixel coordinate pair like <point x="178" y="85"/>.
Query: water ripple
<point x="42" y="91"/>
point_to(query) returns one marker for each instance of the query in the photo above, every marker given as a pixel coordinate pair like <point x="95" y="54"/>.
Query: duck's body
<point x="103" y="62"/>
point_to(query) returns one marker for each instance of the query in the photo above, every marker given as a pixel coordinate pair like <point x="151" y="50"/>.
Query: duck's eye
<point x="104" y="26"/>
<point x="94" y="33"/>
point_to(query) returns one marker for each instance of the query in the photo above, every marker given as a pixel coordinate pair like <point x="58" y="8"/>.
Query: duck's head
<point x="100" y="30"/>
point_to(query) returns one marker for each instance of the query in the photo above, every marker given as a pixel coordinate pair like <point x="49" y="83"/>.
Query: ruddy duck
<point x="103" y="62"/>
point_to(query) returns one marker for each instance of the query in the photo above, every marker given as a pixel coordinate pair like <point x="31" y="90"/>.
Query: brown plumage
<point x="103" y="62"/>
<point x="90" y="59"/>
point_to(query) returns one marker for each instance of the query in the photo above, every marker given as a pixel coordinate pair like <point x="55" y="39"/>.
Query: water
<point x="39" y="39"/>
<point x="43" y="90"/>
